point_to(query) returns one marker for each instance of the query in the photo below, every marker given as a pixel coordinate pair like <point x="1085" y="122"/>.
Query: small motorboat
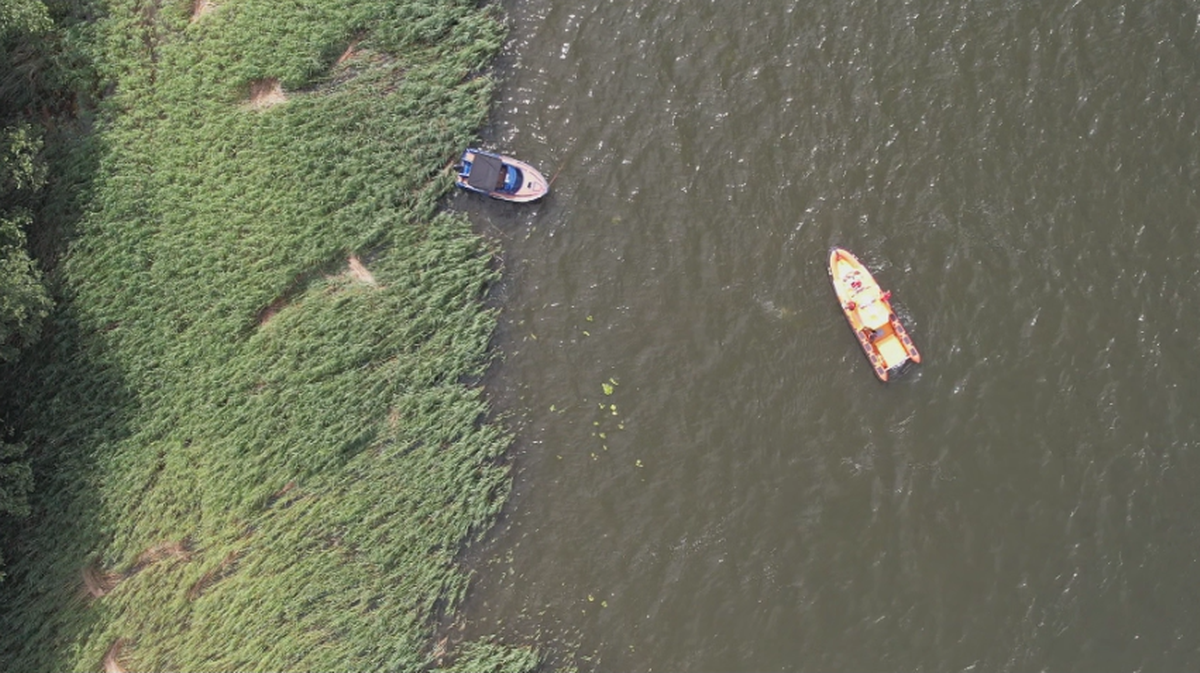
<point x="869" y="311"/>
<point x="500" y="177"/>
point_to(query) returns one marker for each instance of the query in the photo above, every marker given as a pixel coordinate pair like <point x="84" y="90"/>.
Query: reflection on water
<point x="708" y="476"/>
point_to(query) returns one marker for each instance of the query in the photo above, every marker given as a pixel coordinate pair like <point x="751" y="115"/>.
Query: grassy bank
<point x="253" y="426"/>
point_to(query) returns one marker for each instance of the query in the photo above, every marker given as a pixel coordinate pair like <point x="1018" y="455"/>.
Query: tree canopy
<point x="24" y="301"/>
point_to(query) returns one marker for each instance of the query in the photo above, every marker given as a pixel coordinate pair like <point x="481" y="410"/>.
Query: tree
<point x="23" y="16"/>
<point x="24" y="301"/>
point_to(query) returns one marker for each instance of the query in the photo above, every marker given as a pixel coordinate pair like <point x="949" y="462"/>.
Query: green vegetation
<point x="24" y="300"/>
<point x="247" y="453"/>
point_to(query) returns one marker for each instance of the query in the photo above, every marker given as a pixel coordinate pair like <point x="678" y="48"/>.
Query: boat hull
<point x="868" y="310"/>
<point x="531" y="185"/>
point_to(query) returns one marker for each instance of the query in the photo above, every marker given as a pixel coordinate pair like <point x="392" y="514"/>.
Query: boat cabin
<point x="487" y="173"/>
<point x="490" y="174"/>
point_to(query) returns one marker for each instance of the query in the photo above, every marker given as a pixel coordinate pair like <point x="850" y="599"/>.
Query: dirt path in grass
<point x="265" y="93"/>
<point x="360" y="272"/>
<point x="112" y="658"/>
<point x="98" y="582"/>
<point x="200" y="8"/>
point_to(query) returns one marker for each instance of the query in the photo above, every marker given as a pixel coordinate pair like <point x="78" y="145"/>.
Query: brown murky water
<point x="745" y="495"/>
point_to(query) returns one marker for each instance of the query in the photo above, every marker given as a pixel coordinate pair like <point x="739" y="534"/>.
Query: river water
<point x="708" y="477"/>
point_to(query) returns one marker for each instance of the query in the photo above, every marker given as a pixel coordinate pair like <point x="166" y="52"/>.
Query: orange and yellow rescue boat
<point x="869" y="311"/>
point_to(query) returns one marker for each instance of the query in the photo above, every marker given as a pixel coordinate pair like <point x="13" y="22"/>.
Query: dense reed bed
<point x="254" y="422"/>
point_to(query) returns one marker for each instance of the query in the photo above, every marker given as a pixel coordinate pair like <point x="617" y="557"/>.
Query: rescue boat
<point x="868" y="309"/>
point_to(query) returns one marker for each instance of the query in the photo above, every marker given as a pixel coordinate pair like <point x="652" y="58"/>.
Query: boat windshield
<point x="511" y="179"/>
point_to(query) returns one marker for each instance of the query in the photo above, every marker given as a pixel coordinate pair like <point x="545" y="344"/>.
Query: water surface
<point x="1021" y="175"/>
